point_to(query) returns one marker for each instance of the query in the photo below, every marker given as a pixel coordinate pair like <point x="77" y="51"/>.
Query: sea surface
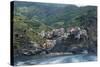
<point x="46" y="59"/>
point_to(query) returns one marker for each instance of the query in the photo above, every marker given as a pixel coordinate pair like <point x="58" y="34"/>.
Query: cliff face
<point x="92" y="32"/>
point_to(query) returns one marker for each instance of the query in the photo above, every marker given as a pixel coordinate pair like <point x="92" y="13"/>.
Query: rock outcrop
<point x="74" y="40"/>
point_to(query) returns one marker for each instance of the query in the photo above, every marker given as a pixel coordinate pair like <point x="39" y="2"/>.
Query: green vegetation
<point x="31" y="18"/>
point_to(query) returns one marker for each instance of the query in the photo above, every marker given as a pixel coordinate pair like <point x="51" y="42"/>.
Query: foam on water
<point x="59" y="59"/>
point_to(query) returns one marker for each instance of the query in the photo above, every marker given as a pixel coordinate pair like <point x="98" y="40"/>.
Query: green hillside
<point x="32" y="18"/>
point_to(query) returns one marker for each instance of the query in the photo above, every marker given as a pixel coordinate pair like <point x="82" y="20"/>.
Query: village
<point x="60" y="41"/>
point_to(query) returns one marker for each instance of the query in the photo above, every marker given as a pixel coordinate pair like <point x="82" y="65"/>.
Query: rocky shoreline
<point x="58" y="41"/>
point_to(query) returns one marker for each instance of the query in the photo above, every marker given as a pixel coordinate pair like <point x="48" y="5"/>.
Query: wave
<point x="59" y="59"/>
